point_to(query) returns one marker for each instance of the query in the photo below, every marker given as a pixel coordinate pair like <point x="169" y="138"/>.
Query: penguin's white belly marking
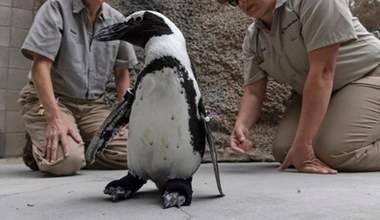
<point x="159" y="143"/>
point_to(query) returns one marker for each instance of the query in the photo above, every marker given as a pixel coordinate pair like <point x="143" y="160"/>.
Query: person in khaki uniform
<point x="332" y="63"/>
<point x="63" y="105"/>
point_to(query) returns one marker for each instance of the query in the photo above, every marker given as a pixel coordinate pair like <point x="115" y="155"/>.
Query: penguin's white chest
<point x="159" y="142"/>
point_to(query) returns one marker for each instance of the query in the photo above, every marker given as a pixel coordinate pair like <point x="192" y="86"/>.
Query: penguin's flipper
<point x="214" y="156"/>
<point x="117" y="119"/>
<point x="210" y="141"/>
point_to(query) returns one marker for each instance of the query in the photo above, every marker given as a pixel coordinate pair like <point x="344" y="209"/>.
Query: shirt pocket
<point x="71" y="55"/>
<point x="291" y="26"/>
<point x="293" y="32"/>
<point x="103" y="60"/>
<point x="294" y="56"/>
<point x="104" y="55"/>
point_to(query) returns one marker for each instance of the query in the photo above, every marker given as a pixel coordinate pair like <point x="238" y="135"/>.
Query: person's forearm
<point x="122" y="82"/>
<point x="317" y="92"/>
<point x="249" y="111"/>
<point x="43" y="85"/>
<point x="251" y="104"/>
<point x="315" y="100"/>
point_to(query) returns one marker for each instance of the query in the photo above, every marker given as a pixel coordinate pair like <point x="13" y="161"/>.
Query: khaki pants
<point x="349" y="137"/>
<point x="81" y="115"/>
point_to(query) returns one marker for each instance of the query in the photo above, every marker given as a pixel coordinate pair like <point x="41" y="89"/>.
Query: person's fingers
<point x="326" y="167"/>
<point x="235" y="144"/>
<point x="311" y="166"/>
<point x="47" y="149"/>
<point x="332" y="171"/>
<point x="316" y="166"/>
<point x="246" y="145"/>
<point x="122" y="131"/>
<point x="314" y="169"/>
<point x="235" y="147"/>
<point x="76" y="137"/>
<point x="241" y="137"/>
<point x="53" y="149"/>
<point x="238" y="150"/>
<point x="64" y="145"/>
<point x="285" y="165"/>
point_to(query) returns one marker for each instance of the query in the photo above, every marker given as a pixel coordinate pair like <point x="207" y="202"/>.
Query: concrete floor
<point x="253" y="191"/>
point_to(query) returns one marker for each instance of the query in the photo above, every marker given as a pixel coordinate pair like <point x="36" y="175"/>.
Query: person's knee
<point x="113" y="159"/>
<point x="350" y="159"/>
<point x="286" y="130"/>
<point x="114" y="156"/>
<point x="65" y="166"/>
<point x="334" y="154"/>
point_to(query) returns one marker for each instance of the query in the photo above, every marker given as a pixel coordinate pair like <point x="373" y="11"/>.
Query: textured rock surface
<point x="214" y="36"/>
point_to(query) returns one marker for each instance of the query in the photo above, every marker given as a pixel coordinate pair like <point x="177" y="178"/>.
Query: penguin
<point x="167" y="122"/>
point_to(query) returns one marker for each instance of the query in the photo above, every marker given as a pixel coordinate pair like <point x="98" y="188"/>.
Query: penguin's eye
<point x="138" y="19"/>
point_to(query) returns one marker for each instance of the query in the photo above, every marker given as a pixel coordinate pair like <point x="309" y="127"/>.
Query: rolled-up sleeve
<point x="252" y="71"/>
<point x="126" y="57"/>
<point x="45" y="34"/>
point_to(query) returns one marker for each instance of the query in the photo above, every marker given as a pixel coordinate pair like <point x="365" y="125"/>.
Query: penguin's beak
<point x="113" y="32"/>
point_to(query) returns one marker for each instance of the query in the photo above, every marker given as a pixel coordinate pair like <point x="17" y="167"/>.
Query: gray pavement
<point x="253" y="191"/>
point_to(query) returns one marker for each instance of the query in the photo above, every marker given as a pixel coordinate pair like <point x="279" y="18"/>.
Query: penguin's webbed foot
<point x="173" y="199"/>
<point x="123" y="188"/>
<point x="118" y="193"/>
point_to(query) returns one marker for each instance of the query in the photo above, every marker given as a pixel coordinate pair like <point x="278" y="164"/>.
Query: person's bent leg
<point x="286" y="130"/>
<point x="349" y="137"/>
<point x="36" y="125"/>
<point x="114" y="156"/>
<point x="62" y="166"/>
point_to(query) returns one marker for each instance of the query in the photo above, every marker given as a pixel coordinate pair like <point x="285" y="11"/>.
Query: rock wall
<point x="214" y="35"/>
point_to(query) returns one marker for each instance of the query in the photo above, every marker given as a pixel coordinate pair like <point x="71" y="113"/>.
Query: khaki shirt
<point x="300" y="26"/>
<point x="81" y="67"/>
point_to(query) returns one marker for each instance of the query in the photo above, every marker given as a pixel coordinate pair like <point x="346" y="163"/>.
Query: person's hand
<point x="239" y="141"/>
<point x="122" y="130"/>
<point x="302" y="157"/>
<point x="56" y="135"/>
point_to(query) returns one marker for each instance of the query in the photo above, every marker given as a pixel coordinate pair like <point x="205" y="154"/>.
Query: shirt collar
<point x="260" y="24"/>
<point x="279" y="3"/>
<point x="78" y="6"/>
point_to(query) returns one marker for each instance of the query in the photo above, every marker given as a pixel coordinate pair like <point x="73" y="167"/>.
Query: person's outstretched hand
<point x="239" y="141"/>
<point x="304" y="160"/>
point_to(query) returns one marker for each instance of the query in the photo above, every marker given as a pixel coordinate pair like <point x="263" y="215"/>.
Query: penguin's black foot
<point x="118" y="193"/>
<point x="173" y="199"/>
<point x="123" y="188"/>
<point x="177" y="193"/>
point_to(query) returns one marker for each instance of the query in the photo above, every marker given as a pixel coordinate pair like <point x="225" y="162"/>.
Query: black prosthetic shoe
<point x="177" y="193"/>
<point x="123" y="188"/>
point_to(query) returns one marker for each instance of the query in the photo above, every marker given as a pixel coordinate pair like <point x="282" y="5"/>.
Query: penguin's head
<point x="138" y="28"/>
